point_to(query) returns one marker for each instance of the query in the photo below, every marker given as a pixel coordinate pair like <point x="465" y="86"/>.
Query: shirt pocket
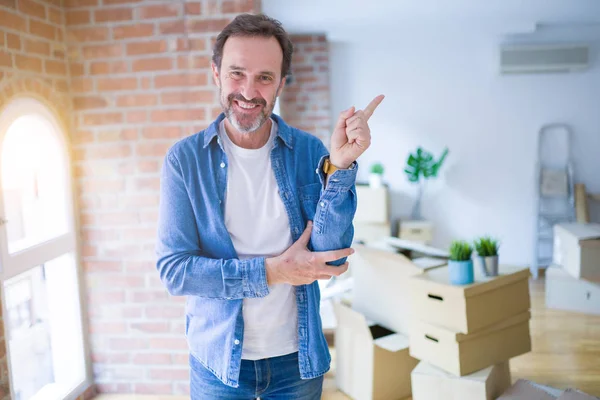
<point x="309" y="196"/>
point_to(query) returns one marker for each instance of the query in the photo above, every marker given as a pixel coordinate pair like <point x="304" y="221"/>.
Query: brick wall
<point x="140" y="81"/>
<point x="305" y="103"/>
<point x="32" y="62"/>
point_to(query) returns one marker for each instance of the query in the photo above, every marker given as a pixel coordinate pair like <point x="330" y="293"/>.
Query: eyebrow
<point x="236" y="68"/>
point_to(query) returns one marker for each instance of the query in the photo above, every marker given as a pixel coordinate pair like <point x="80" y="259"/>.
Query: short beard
<point x="246" y="127"/>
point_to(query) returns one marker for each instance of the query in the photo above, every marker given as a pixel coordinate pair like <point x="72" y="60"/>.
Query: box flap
<point x="572" y="394"/>
<point x="425" y="368"/>
<point x="402" y="244"/>
<point x="523" y="389"/>
<point x="581" y="231"/>
<point x="349" y="318"/>
<point x="393" y="343"/>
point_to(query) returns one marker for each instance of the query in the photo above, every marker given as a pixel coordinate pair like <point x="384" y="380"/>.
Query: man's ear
<point x="281" y="86"/>
<point x="215" y="73"/>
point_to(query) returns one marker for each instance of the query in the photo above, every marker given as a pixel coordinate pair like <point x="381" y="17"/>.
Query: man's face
<point x="249" y="80"/>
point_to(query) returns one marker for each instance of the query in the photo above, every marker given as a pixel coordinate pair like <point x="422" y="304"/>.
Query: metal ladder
<point x="555" y="190"/>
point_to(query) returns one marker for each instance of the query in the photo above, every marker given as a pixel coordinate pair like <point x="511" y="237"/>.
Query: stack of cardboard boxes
<point x="372" y="218"/>
<point x="465" y="335"/>
<point x="407" y="331"/>
<point x="573" y="281"/>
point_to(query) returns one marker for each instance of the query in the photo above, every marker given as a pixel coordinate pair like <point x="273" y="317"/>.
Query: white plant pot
<point x="375" y="181"/>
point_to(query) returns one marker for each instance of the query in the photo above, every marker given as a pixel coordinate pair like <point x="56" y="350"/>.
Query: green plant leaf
<point x="460" y="250"/>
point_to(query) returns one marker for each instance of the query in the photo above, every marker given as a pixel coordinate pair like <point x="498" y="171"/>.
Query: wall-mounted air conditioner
<point x="531" y="59"/>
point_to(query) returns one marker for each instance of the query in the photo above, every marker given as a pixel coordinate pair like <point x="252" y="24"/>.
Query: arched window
<point x="41" y="293"/>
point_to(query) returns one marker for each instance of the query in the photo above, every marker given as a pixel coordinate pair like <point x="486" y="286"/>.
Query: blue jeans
<point x="276" y="378"/>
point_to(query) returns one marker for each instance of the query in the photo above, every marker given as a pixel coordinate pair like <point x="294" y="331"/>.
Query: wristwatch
<point x="328" y="167"/>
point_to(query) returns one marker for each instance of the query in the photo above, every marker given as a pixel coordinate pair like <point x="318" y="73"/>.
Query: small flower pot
<point x="488" y="265"/>
<point x="375" y="181"/>
<point x="461" y="272"/>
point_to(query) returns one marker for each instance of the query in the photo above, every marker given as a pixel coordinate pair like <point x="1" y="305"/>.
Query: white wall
<point x="442" y="89"/>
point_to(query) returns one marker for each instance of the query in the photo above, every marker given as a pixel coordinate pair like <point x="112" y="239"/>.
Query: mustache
<point x="238" y="96"/>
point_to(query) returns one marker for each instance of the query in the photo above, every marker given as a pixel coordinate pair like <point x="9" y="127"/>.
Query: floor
<point x="565" y="353"/>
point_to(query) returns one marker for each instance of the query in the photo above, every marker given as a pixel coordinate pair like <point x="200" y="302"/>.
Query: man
<point x="252" y="213"/>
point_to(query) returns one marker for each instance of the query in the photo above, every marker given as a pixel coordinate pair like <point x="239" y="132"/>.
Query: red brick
<point x="152" y="183"/>
<point x="208" y="25"/>
<point x="136" y="117"/>
<point x="177" y="80"/>
<point x="161" y="132"/>
<point x="12" y="21"/>
<point x="77" y="69"/>
<point x="55" y="67"/>
<point x="55" y="15"/>
<point x="140" y="201"/>
<point x="107" y="118"/>
<point x="26" y="63"/>
<point x="2" y="40"/>
<point x="191" y="44"/>
<point x="115" y="84"/>
<point x="110" y="328"/>
<point x="163" y="311"/>
<point x="142" y="233"/>
<point x="32" y="9"/>
<point x="91" y="34"/>
<point x="6" y="59"/>
<point x="193" y="8"/>
<point x="194" y="62"/>
<point x="113" y="15"/>
<point x="152" y="64"/>
<point x="13" y="41"/>
<point x="113" y="387"/>
<point x="108" y="68"/>
<point x="117" y="135"/>
<point x="37" y="47"/>
<point x="112" y="2"/>
<point x="82" y="85"/>
<point x="93" y="235"/>
<point x="159" y="11"/>
<point x="152" y="358"/>
<point x="9" y="3"/>
<point x="88" y="102"/>
<point x="78" y="17"/>
<point x="168" y="343"/>
<point x="42" y="29"/>
<point x="180" y="114"/>
<point x="128" y="344"/>
<point x="89" y="251"/>
<point x="153" y="388"/>
<point x="104" y="152"/>
<point x="137" y="100"/>
<point x="151" y="327"/>
<point x="169" y="374"/>
<point x="180" y="359"/>
<point x="107" y="297"/>
<point x="102" y="51"/>
<point x="111" y="358"/>
<point x="132" y="312"/>
<point x="237" y="6"/>
<point x="172" y="27"/>
<point x="80" y="3"/>
<point x="133" y="31"/>
<point x="187" y="97"/>
<point x="95" y="185"/>
<point x="139" y="48"/>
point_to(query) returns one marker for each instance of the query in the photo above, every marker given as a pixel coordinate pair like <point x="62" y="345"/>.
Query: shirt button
<point x="322" y="204"/>
<point x="236" y="342"/>
<point x="317" y="171"/>
<point x="222" y="165"/>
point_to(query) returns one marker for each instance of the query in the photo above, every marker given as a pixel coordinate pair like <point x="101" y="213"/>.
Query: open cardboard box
<point x="381" y="285"/>
<point x="371" y="362"/>
<point x="528" y="390"/>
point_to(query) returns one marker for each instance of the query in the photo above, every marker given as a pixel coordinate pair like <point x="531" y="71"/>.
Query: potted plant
<point x="376" y="176"/>
<point x="420" y="167"/>
<point x="487" y="255"/>
<point x="460" y="264"/>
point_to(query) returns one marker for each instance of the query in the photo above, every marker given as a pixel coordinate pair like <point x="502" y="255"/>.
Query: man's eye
<point x="236" y="74"/>
<point x="266" y="78"/>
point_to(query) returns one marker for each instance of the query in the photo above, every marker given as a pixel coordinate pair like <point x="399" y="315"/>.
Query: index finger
<point x="333" y="255"/>
<point x="370" y="109"/>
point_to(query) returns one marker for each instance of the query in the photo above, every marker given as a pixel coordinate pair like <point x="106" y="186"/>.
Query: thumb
<point x="305" y="238"/>
<point x="344" y="115"/>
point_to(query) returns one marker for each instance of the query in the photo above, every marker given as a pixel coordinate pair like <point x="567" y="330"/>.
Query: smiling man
<point x="252" y="213"/>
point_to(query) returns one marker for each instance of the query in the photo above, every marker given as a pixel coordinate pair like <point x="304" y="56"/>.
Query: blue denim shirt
<point x="197" y="259"/>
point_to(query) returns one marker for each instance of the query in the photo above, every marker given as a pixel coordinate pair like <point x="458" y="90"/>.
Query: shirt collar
<point x="284" y="131"/>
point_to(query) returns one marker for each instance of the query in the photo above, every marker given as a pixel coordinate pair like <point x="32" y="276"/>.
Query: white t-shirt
<point x="259" y="226"/>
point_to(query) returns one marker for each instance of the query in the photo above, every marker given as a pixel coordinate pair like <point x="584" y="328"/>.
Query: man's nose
<point x="248" y="89"/>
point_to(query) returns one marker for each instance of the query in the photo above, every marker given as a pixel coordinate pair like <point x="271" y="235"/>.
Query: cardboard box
<point x="462" y="354"/>
<point x="527" y="390"/>
<point x="373" y="205"/>
<point x="573" y="394"/>
<point x="371" y="232"/>
<point x="469" y="308"/>
<point x="418" y="231"/>
<point x="372" y="363"/>
<point x="432" y="383"/>
<point x="563" y="292"/>
<point x="381" y="285"/>
<point x="577" y="249"/>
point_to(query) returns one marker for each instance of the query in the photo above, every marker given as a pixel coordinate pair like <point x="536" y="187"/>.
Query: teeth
<point x="247" y="106"/>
